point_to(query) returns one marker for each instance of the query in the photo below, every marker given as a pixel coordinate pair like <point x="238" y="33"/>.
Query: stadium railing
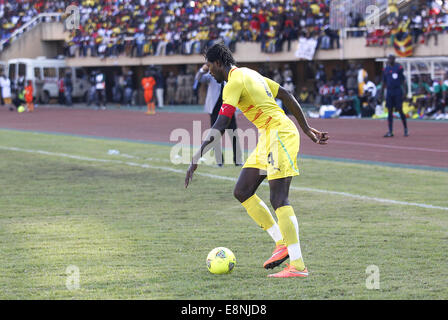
<point x="42" y="17"/>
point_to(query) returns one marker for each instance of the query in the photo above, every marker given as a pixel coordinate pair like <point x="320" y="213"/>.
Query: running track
<point x="355" y="139"/>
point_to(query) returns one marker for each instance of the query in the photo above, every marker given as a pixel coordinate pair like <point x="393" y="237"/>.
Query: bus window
<point x="49" y="72"/>
<point x="61" y="72"/>
<point x="12" y="71"/>
<point x="37" y="73"/>
<point x="22" y="69"/>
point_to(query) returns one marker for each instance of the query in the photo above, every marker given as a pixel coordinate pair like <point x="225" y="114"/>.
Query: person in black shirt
<point x="393" y="81"/>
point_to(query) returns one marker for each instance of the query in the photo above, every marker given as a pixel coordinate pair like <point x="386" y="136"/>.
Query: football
<point x="221" y="261"/>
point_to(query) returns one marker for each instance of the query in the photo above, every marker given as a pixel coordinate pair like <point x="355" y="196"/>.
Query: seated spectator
<point x="348" y="106"/>
<point x="370" y="91"/>
<point x="305" y="96"/>
<point x="420" y="100"/>
<point x="409" y="108"/>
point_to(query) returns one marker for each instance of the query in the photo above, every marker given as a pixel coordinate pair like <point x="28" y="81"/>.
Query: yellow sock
<point x="280" y="242"/>
<point x="289" y="228"/>
<point x="260" y="213"/>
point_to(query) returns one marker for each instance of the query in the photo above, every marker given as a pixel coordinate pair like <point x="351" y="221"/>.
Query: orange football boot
<point x="279" y="255"/>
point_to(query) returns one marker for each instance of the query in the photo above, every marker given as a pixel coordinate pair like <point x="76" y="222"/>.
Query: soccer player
<point x="29" y="96"/>
<point x="275" y="156"/>
<point x="393" y="81"/>
<point x="148" y="83"/>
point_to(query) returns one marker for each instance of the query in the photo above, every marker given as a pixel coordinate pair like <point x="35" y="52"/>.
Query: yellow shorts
<point x="276" y="153"/>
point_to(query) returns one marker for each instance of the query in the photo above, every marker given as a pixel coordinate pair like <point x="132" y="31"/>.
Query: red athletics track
<point x="355" y="139"/>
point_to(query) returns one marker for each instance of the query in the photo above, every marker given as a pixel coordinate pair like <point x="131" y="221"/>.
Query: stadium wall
<point x="46" y="39"/>
<point x="351" y="48"/>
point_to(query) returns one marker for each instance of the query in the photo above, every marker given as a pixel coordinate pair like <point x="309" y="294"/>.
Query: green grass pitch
<point x="134" y="232"/>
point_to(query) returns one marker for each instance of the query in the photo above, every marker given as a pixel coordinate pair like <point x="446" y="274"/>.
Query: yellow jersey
<point x="254" y="95"/>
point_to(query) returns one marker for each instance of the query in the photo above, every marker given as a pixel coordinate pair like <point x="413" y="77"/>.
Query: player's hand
<point x="204" y="68"/>
<point x="317" y="136"/>
<point x="189" y="177"/>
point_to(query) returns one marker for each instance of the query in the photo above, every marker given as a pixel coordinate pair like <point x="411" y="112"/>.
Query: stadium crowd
<point x="139" y="27"/>
<point x="147" y="27"/>
<point x="353" y="93"/>
<point x="111" y="28"/>
<point x="421" y="22"/>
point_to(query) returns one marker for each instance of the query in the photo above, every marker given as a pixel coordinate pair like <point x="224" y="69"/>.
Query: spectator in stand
<point x="392" y="11"/>
<point x="416" y="25"/>
<point x="140" y="27"/>
<point x="430" y="27"/>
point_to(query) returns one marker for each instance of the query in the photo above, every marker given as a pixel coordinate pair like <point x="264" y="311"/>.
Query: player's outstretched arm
<point x="294" y="107"/>
<point x="218" y="128"/>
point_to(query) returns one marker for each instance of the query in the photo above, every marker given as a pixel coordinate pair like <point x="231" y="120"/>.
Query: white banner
<point x="306" y="48"/>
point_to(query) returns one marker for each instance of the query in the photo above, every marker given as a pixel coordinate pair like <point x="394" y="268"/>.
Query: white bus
<point x="51" y="70"/>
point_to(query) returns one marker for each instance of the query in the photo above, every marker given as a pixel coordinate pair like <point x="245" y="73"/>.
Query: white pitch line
<point x="218" y="177"/>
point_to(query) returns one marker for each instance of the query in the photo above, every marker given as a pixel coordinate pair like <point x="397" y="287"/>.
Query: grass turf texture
<point x="137" y="233"/>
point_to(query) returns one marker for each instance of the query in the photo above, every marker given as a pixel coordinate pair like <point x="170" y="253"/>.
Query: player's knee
<point x="241" y="194"/>
<point x="278" y="201"/>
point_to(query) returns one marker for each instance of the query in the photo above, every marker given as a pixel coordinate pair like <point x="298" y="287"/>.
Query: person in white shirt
<point x="368" y="100"/>
<point x="370" y="87"/>
<point x="100" y="85"/>
<point x="5" y="85"/>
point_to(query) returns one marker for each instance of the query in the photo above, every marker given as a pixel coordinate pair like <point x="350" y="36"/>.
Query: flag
<point x="404" y="48"/>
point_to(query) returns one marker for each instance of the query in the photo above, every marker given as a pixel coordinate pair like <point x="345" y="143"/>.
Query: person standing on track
<point x="148" y="83"/>
<point x="5" y="86"/>
<point x="393" y="82"/>
<point x="275" y="156"/>
<point x="29" y="96"/>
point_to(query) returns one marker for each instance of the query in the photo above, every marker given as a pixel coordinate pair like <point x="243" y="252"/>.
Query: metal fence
<point x="340" y="11"/>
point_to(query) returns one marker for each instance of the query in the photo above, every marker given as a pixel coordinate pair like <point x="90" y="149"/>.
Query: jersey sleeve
<point x="231" y="94"/>
<point x="273" y="86"/>
<point x="232" y="90"/>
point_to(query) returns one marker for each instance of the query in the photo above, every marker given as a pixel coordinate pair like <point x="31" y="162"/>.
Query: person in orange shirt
<point x="29" y="96"/>
<point x="148" y="83"/>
